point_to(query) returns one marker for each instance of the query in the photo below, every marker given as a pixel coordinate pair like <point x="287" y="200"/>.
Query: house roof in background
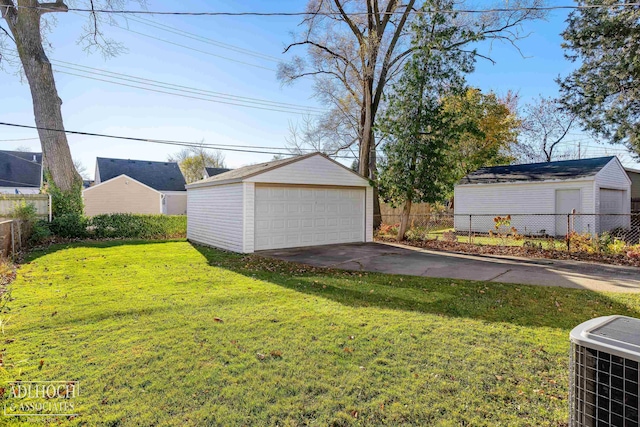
<point x="534" y="172"/>
<point x="216" y="171"/>
<point x="161" y="176"/>
<point x="20" y="169"/>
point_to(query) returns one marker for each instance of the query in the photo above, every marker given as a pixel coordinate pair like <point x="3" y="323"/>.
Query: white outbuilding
<point x="539" y="196"/>
<point x="300" y="201"/>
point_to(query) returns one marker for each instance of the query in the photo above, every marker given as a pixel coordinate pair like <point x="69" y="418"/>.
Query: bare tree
<point x="26" y="20"/>
<point x="193" y="160"/>
<point x="81" y="169"/>
<point x="543" y="130"/>
<point x="355" y="48"/>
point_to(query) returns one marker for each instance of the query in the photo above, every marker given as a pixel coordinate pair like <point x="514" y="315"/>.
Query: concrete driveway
<point x="387" y="258"/>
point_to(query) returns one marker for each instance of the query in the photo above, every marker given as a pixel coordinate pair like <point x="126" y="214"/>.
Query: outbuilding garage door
<point x="287" y="217"/>
<point x="611" y="202"/>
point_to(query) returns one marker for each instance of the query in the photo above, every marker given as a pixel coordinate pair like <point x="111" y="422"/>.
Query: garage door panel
<point x="290" y="217"/>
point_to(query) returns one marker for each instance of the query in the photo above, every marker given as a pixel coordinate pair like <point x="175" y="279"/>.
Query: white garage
<point x="540" y="195"/>
<point x="301" y="201"/>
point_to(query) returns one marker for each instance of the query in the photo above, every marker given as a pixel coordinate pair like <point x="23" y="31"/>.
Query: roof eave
<point x="205" y="183"/>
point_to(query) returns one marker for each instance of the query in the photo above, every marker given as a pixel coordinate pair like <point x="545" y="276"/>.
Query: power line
<point x="185" y="96"/>
<point x="158" y="141"/>
<point x="19" y="139"/>
<point x="278" y="106"/>
<point x="189" y="89"/>
<point x="203" y="39"/>
<point x="194" y="49"/>
<point x="330" y="13"/>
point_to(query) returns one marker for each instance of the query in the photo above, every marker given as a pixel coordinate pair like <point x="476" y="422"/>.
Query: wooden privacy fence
<point x="13" y="237"/>
<point x="42" y="202"/>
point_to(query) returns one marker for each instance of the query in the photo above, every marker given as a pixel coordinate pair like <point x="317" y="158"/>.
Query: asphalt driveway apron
<point x="392" y="259"/>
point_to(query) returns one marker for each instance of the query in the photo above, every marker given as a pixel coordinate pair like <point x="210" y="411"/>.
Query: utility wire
<point x="183" y="95"/>
<point x="194" y="49"/>
<point x="156" y="141"/>
<point x="188" y="89"/>
<point x="337" y="13"/>
<point x="203" y="39"/>
<point x="298" y="109"/>
<point x="19" y="139"/>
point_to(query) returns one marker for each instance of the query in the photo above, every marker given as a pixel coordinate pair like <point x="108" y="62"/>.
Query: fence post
<point x="19" y="224"/>
<point x="470" y="228"/>
<point x="568" y="232"/>
<point x="50" y="208"/>
<point x="13" y="242"/>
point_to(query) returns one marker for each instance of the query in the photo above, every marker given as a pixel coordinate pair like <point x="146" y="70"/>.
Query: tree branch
<point x="349" y="22"/>
<point x="319" y="46"/>
<point x="7" y="33"/>
<point x="7" y="9"/>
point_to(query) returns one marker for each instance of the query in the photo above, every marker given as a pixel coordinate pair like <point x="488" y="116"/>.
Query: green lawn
<point x="138" y="325"/>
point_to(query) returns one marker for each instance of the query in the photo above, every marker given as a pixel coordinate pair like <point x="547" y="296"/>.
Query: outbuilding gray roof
<point x="535" y="172"/>
<point x="20" y="169"/>
<point x="161" y="176"/>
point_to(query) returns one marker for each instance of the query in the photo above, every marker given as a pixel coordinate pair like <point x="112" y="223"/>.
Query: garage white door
<point x="287" y="217"/>
<point x="611" y="202"/>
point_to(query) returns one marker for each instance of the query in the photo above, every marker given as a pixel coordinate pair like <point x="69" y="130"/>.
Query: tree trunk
<point x="25" y="27"/>
<point x="404" y="221"/>
<point x="373" y="173"/>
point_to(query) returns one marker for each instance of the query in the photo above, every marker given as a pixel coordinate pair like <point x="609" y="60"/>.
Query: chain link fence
<point x="514" y="229"/>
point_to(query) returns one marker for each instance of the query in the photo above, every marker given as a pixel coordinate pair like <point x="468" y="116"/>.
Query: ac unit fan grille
<point x="604" y="388"/>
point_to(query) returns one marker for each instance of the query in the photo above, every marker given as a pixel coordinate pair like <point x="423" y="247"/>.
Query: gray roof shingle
<point x="535" y="172"/>
<point x="161" y="176"/>
<point x="20" y="169"/>
<point x="216" y="171"/>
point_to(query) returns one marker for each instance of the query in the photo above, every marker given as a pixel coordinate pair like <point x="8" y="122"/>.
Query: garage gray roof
<point x="535" y="172"/>
<point x="20" y="169"/>
<point x="161" y="176"/>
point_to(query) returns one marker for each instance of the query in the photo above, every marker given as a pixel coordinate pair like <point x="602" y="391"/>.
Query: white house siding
<point x="315" y="170"/>
<point x="21" y="190"/>
<point x="175" y="202"/>
<point x="216" y="216"/>
<point x="518" y="198"/>
<point x="121" y="195"/>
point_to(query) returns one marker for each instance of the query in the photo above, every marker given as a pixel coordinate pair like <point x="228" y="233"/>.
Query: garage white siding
<point x="316" y="170"/>
<point x="288" y="217"/>
<point x="215" y="216"/>
<point x="303" y="201"/>
<point x="613" y="177"/>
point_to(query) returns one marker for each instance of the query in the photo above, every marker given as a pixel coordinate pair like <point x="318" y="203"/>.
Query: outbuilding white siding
<point x="303" y="201"/>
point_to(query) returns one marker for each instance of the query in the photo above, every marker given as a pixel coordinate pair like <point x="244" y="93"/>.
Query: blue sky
<point x="94" y="106"/>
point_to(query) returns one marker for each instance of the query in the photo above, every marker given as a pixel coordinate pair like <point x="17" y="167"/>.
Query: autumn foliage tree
<point x="417" y="127"/>
<point x="356" y="48"/>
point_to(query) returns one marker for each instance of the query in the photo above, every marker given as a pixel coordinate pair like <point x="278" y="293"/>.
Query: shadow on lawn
<point x="524" y="305"/>
<point x="41" y="251"/>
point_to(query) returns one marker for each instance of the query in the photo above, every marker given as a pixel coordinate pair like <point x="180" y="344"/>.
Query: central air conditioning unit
<point x="605" y="353"/>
